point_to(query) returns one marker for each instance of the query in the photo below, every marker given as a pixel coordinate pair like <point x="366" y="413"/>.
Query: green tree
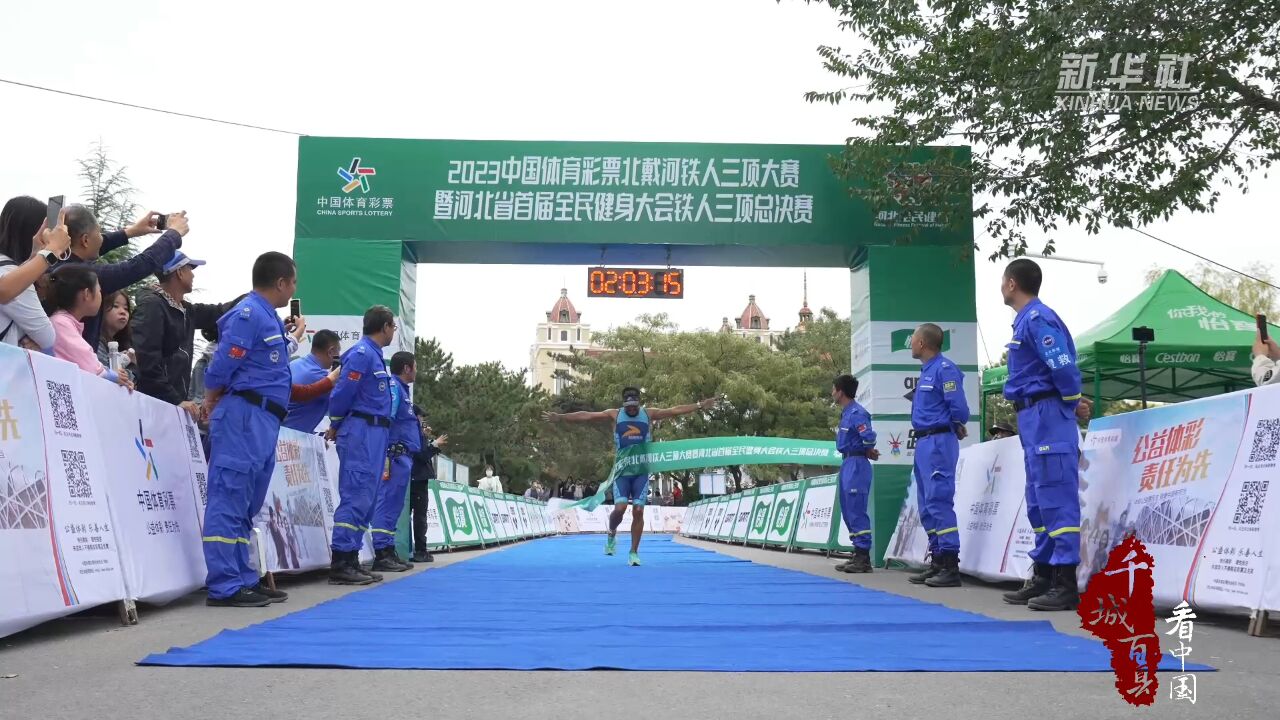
<point x="987" y="74"/>
<point x="824" y="343"/>
<point x="762" y="392"/>
<point x="109" y="194"/>
<point x="1234" y="289"/>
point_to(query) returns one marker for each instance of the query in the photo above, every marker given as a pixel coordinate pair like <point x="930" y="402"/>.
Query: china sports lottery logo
<point x="355" y="177"/>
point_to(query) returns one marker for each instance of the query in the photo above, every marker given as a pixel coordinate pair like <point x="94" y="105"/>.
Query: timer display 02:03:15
<point x="659" y="283"/>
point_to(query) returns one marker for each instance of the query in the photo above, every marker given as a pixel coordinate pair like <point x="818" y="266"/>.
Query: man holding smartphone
<point x="88" y="243"/>
<point x="326" y="348"/>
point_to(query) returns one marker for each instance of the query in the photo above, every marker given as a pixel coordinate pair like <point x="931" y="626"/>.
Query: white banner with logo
<point x="295" y="523"/>
<point x="817" y="509"/>
<point x="56" y="532"/>
<point x="156" y="509"/>
<point x="1194" y="481"/>
<point x="785" y="508"/>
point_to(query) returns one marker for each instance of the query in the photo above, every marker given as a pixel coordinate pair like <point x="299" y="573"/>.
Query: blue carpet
<point x="560" y="603"/>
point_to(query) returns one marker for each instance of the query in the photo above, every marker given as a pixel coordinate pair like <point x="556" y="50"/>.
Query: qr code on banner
<point x="77" y="471"/>
<point x="1249" y="507"/>
<point x="1266" y="441"/>
<point x="193" y="442"/>
<point x="203" y="483"/>
<point x="64" y="412"/>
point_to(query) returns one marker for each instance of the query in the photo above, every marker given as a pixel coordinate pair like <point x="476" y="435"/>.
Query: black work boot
<point x="342" y="571"/>
<point x="243" y="598"/>
<point x="1038" y="584"/>
<point x="933" y="569"/>
<point x="384" y="560"/>
<point x="421" y="556"/>
<point x="860" y="563"/>
<point x="949" y="573"/>
<point x="355" y="563"/>
<point x="276" y="596"/>
<point x="403" y="563"/>
<point x="1062" y="595"/>
<point x="841" y="566"/>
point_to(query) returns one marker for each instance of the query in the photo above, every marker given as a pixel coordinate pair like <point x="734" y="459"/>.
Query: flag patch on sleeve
<point x="237" y="352"/>
<point x="353" y="375"/>
<point x="949" y="386"/>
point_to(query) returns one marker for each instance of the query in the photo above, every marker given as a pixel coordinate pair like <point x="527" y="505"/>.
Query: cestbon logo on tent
<point x="356" y="177"/>
<point x="901" y="340"/>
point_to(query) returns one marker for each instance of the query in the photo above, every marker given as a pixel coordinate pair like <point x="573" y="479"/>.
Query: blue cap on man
<point x="180" y="260"/>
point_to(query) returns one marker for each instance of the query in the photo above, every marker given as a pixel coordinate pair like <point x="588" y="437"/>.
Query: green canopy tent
<point x="1201" y="348"/>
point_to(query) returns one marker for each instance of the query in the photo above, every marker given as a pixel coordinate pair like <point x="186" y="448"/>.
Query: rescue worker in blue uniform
<point x="632" y="425"/>
<point x="939" y="412"/>
<point x="406" y="440"/>
<point x="313" y="367"/>
<point x="360" y="422"/>
<point x="856" y="443"/>
<point x="1044" y="387"/>
<point x="247" y="389"/>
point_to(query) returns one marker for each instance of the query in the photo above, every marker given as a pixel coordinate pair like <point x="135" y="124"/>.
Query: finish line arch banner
<point x="1195" y="481"/>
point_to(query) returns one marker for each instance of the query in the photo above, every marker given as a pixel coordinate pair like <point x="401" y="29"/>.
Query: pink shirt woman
<point x="74" y="294"/>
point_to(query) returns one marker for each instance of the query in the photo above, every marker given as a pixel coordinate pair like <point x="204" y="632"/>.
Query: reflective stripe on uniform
<point x="949" y="530"/>
<point x="1063" y="531"/>
<point x="1069" y="398"/>
<point x="860" y="532"/>
<point x="227" y="540"/>
<point x="1038" y="530"/>
<point x="349" y="527"/>
<point x="273" y="337"/>
<point x="931" y="532"/>
<point x="384" y="532"/>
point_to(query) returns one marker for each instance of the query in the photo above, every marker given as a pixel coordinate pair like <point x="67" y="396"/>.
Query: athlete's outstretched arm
<point x="582" y="416"/>
<point x="664" y="413"/>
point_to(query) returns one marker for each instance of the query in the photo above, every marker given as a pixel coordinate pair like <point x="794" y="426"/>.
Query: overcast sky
<point x="663" y="70"/>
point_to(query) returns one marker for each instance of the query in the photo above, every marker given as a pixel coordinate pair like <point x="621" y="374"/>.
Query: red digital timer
<point x="659" y="284"/>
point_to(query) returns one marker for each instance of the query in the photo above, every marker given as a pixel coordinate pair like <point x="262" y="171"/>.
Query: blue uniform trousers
<point x="1051" y="453"/>
<point x="935" y="471"/>
<point x="362" y="455"/>
<point x="389" y="503"/>
<point x="855" y="491"/>
<point x="242" y="441"/>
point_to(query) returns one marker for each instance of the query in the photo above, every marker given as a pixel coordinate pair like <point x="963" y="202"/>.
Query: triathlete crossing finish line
<point x="632" y="427"/>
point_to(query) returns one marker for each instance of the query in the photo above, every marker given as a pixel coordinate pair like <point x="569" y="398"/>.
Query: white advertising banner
<point x="785" y="508"/>
<point x="41" y="576"/>
<point x="459" y="518"/>
<point x="817" y="509"/>
<point x="743" y="522"/>
<point x="761" y="512"/>
<point x="486" y="512"/>
<point x="82" y="530"/>
<point x="155" y="508"/>
<point x="292" y="522"/>
<point x="725" y="531"/>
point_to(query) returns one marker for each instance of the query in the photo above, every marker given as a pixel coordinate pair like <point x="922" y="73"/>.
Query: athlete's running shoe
<point x="634" y="560"/>
<point x="610" y="545"/>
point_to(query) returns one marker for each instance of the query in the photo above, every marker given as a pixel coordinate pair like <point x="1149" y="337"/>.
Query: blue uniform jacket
<point x="404" y="424"/>
<point x="252" y="353"/>
<point x="855" y="434"/>
<point x="1042" y="356"/>
<point x="304" y="417"/>
<point x="364" y="384"/>
<point x="939" y="396"/>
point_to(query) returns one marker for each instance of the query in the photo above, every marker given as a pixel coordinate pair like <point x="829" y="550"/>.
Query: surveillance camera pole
<point x="1101" y="266"/>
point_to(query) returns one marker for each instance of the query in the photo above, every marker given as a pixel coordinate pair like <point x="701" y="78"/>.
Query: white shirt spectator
<point x="24" y="317"/>
<point x="491" y="483"/>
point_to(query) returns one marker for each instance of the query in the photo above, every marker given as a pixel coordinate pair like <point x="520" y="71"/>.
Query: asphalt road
<point x="82" y="668"/>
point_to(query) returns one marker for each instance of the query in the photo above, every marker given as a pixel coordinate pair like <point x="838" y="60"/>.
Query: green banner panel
<point x="559" y="202"/>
